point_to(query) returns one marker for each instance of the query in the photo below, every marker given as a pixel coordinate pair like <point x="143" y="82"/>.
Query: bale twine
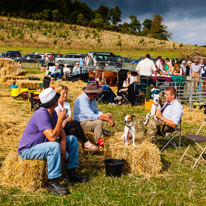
<point x="5" y="61"/>
<point x="28" y="175"/>
<point x="143" y="159"/>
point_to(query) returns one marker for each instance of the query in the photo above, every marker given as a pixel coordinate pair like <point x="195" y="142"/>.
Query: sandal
<point x="90" y="147"/>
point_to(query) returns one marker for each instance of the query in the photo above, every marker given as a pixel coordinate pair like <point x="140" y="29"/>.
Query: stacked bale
<point x="28" y="175"/>
<point x="143" y="159"/>
<point x="8" y="69"/>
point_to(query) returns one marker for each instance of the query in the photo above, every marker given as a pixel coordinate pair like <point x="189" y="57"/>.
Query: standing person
<point x="90" y="62"/>
<point x="76" y="69"/>
<point x="71" y="127"/>
<point x="188" y="66"/>
<point x="195" y="73"/>
<point x="168" y="118"/>
<point x="159" y="65"/>
<point x="44" y="138"/>
<point x="81" y="64"/>
<point x="203" y="65"/>
<point x="146" y="67"/>
<point x="169" y="67"/>
<point x="86" y="112"/>
<point x="183" y="66"/>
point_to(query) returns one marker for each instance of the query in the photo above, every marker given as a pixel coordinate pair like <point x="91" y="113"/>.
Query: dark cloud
<point x="188" y="8"/>
<point x="184" y="18"/>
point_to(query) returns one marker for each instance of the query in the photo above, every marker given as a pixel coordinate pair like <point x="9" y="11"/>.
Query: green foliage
<point x="141" y="41"/>
<point x="1" y="38"/>
<point x="98" y="40"/>
<point x="21" y="35"/>
<point x="61" y="24"/>
<point x="173" y="45"/>
<point x="54" y="33"/>
<point x="181" y="45"/>
<point x="45" y="33"/>
<point x="158" y="30"/>
<point x="55" y="42"/>
<point x="104" y="13"/>
<point x="115" y="14"/>
<point x="1" y="26"/>
<point x="80" y="19"/>
<point x="94" y="33"/>
<point x="135" y="24"/>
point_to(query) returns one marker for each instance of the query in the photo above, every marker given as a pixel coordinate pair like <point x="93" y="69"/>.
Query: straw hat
<point x="48" y="97"/>
<point x="93" y="88"/>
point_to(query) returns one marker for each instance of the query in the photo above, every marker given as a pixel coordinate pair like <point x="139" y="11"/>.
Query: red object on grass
<point x="100" y="141"/>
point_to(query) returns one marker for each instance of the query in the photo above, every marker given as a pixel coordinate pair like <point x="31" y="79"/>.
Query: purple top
<point x="33" y="134"/>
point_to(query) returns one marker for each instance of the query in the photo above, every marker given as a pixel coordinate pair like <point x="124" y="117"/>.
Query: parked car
<point x="12" y="54"/>
<point x="122" y="59"/>
<point x="69" y="59"/>
<point x="29" y="58"/>
<point x="137" y="60"/>
<point x="106" y="59"/>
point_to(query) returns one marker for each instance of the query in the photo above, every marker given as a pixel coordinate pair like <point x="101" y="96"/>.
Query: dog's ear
<point x="160" y="94"/>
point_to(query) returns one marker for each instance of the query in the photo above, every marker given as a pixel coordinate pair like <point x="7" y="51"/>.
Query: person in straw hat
<point x="195" y="73"/>
<point x="86" y="111"/>
<point x="44" y="138"/>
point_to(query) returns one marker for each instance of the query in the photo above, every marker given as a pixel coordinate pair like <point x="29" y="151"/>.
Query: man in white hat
<point x="44" y="138"/>
<point x="86" y="111"/>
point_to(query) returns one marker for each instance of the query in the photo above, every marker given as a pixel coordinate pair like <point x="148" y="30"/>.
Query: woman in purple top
<point x="44" y="138"/>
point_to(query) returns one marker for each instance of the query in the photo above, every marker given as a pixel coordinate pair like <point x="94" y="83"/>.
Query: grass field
<point x="133" y="54"/>
<point x="176" y="185"/>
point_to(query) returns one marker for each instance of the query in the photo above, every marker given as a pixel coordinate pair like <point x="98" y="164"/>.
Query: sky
<point x="186" y="19"/>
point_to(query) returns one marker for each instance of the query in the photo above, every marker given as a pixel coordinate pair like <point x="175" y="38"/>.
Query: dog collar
<point x="155" y="104"/>
<point x="130" y="127"/>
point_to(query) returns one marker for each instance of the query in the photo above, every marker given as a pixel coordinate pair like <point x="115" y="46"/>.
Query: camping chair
<point x="195" y="140"/>
<point x="101" y="96"/>
<point x="169" y="136"/>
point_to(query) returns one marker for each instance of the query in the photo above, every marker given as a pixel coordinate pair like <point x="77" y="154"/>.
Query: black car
<point x="29" y="58"/>
<point x="12" y="54"/>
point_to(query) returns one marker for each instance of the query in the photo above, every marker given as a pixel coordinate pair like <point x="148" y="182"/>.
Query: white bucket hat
<point x="48" y="97"/>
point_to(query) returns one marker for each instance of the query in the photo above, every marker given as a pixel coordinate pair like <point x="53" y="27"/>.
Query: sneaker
<point x="72" y="176"/>
<point x="118" y="97"/>
<point x="100" y="141"/>
<point x="55" y="187"/>
<point x="112" y="103"/>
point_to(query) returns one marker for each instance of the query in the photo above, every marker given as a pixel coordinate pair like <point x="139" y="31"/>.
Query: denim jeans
<point x="55" y="75"/>
<point x="51" y="151"/>
<point x="110" y="94"/>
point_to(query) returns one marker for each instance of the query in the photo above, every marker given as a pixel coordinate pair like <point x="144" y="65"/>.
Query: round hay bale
<point x="143" y="159"/>
<point x="28" y="175"/>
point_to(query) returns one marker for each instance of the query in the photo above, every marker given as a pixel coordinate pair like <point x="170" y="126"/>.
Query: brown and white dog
<point x="129" y="129"/>
<point x="156" y="105"/>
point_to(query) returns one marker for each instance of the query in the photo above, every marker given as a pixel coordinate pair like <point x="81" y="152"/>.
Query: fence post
<point x="190" y="94"/>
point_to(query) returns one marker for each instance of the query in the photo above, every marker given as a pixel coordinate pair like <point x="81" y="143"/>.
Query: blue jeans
<point x="55" y="75"/>
<point x="51" y="151"/>
<point x="110" y="94"/>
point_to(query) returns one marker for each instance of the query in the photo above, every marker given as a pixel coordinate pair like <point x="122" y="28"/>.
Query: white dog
<point x="155" y="107"/>
<point x="129" y="129"/>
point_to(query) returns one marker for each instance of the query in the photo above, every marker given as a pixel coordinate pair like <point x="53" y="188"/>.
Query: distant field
<point x="133" y="54"/>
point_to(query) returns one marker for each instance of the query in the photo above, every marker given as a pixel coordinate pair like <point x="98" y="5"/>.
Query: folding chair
<point x="101" y="96"/>
<point x="196" y="139"/>
<point x="169" y="136"/>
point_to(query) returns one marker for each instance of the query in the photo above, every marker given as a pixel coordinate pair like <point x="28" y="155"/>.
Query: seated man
<point x="56" y="72"/>
<point x="169" y="116"/>
<point x="86" y="111"/>
<point x="44" y="138"/>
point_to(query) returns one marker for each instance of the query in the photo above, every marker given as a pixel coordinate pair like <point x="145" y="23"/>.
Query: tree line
<point x="76" y="12"/>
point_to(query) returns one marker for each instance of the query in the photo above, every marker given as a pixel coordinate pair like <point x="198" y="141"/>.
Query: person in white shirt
<point x="159" y="64"/>
<point x="146" y="67"/>
<point x="66" y="71"/>
<point x="76" y="69"/>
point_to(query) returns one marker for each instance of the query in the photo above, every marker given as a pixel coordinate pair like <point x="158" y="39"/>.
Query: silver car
<point x="69" y="59"/>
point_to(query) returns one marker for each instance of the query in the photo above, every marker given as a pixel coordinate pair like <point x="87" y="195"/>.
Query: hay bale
<point x="43" y="69"/>
<point x="28" y="175"/>
<point x="4" y="62"/>
<point x="143" y="159"/>
<point x="11" y="70"/>
<point x="28" y="84"/>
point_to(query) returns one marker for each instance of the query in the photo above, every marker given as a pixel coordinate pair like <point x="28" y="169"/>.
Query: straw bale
<point x="43" y="69"/>
<point x="4" y="62"/>
<point x="28" y="175"/>
<point x="11" y="70"/>
<point x="143" y="159"/>
<point x="28" y="84"/>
